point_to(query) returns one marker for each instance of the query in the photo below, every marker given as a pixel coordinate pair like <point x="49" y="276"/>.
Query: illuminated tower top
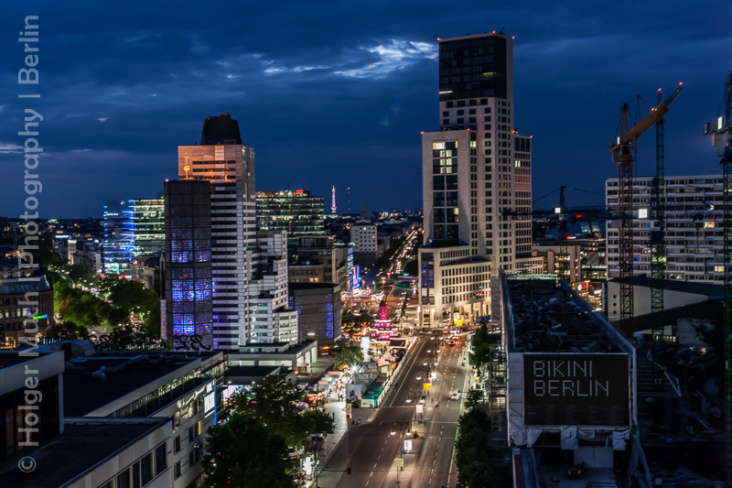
<point x="332" y="203"/>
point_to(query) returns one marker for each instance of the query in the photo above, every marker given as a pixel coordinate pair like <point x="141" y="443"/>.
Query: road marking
<point x="375" y="464"/>
<point x="371" y="474"/>
<point x="367" y="483"/>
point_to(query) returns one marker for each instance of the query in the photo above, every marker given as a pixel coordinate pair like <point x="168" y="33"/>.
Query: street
<point x="370" y="449"/>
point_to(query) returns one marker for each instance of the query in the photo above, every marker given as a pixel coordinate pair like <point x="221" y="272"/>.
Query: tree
<point x="80" y="272"/>
<point x="67" y="330"/>
<point x="273" y="402"/>
<point x="347" y="356"/>
<point x="474" y="398"/>
<point x="473" y="451"/>
<point x="353" y="324"/>
<point x="243" y="452"/>
<point x="412" y="268"/>
<point x="483" y="345"/>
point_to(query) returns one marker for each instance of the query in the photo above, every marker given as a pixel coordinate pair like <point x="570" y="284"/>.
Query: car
<point x="455" y="395"/>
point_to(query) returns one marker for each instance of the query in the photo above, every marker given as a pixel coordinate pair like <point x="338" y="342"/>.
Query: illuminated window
<point x="709" y="224"/>
<point x="719" y="269"/>
<point x="438" y="145"/>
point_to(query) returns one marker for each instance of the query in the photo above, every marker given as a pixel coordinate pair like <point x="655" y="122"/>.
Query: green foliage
<point x="67" y="330"/>
<point x="473" y="398"/>
<point x="483" y="345"/>
<point x="273" y="403"/>
<point x="83" y="308"/>
<point x="127" y="336"/>
<point x="473" y="451"/>
<point x="347" y="356"/>
<point x="354" y="324"/>
<point x="412" y="268"/>
<point x="78" y="273"/>
<point x="243" y="452"/>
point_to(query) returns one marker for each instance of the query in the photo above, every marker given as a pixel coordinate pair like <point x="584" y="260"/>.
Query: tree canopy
<point x="273" y="402"/>
<point x="347" y="356"/>
<point x="473" y="451"/>
<point x="244" y="452"/>
<point x="354" y="324"/>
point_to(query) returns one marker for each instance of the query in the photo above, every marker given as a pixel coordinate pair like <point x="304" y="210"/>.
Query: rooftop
<point x="548" y="317"/>
<point x="79" y="448"/>
<point x="122" y="375"/>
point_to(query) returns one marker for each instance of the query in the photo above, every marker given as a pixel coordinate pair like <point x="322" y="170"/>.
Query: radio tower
<point x="332" y="202"/>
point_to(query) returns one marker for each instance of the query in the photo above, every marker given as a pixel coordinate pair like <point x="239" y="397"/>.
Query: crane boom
<point x="647" y="122"/>
<point x="623" y="157"/>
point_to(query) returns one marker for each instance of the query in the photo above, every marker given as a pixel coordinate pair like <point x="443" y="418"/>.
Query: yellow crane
<point x="622" y="151"/>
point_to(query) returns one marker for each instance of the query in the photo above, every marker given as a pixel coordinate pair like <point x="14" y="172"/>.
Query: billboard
<point x="576" y="389"/>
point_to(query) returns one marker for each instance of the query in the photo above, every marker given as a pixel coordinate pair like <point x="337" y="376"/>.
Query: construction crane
<point x="656" y="237"/>
<point x="721" y="135"/>
<point x="622" y="151"/>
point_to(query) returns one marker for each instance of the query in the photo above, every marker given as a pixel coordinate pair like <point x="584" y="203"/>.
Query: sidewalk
<point x="338" y="410"/>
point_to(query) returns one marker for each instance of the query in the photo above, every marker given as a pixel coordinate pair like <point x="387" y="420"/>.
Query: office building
<point x="189" y="278"/>
<point x="693" y="234"/>
<point x="319" y="310"/>
<point x="26" y="302"/>
<point x="248" y="271"/>
<point x="474" y="170"/>
<point x="131" y="228"/>
<point x="365" y="245"/>
<point x="297" y="212"/>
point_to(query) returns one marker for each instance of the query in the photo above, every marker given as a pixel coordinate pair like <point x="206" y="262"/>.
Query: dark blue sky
<point x="337" y="92"/>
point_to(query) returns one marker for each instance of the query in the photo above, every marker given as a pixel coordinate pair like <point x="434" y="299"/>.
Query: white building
<point x="243" y="278"/>
<point x="365" y="243"/>
<point x="474" y="170"/>
<point x="693" y="236"/>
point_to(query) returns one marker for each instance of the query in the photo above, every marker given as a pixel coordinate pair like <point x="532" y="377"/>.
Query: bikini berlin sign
<point x="576" y="389"/>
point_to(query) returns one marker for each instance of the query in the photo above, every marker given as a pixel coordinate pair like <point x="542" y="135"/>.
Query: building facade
<point x="474" y="170"/>
<point x="297" y="212"/>
<point x="365" y="245"/>
<point x="189" y="277"/>
<point x="26" y="302"/>
<point x="693" y="234"/>
<point x="131" y="228"/>
<point x="247" y="271"/>
<point x="319" y="310"/>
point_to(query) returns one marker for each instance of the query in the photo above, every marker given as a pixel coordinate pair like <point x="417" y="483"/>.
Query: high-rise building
<point x="475" y="171"/>
<point x="693" y="234"/>
<point x="297" y="212"/>
<point x="131" y="228"/>
<point x="247" y="278"/>
<point x="188" y="277"/>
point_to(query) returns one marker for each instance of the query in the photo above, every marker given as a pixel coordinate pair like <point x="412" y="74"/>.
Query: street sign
<point x="427" y="386"/>
<point x="407" y="446"/>
<point x="399" y="462"/>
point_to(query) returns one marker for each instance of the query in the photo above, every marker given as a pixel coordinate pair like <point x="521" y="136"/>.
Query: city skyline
<point x="327" y="100"/>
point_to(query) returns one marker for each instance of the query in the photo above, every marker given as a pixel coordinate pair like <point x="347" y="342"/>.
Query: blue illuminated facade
<point x="188" y="282"/>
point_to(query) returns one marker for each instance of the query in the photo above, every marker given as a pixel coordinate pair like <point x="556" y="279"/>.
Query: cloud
<point x="10" y="148"/>
<point x="396" y="55"/>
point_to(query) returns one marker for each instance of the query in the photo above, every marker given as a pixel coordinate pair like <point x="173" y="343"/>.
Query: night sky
<point x="337" y="92"/>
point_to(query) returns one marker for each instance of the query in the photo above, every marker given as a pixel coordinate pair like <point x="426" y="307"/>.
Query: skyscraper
<point x="188" y="277"/>
<point x="242" y="272"/>
<point x="475" y="171"/>
<point x="131" y="228"/>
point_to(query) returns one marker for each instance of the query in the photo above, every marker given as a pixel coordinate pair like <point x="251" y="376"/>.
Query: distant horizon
<point x="120" y="87"/>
